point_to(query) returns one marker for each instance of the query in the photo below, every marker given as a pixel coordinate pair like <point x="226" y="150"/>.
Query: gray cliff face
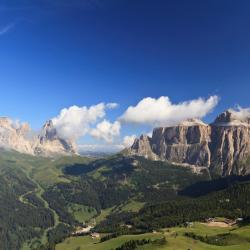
<point x="19" y="137"/>
<point x="182" y="144"/>
<point x="47" y="133"/>
<point x="142" y="147"/>
<point x="50" y="143"/>
<point x="223" y="146"/>
<point x="230" y="147"/>
<point x="13" y="136"/>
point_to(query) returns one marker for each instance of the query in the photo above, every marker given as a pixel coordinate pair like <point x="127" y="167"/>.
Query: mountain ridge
<point x="222" y="146"/>
<point x="47" y="142"/>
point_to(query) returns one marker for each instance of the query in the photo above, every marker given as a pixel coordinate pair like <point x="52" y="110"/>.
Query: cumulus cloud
<point x="240" y="113"/>
<point x="128" y="140"/>
<point x="106" y="131"/>
<point x="74" y="122"/>
<point x="162" y="112"/>
<point x="106" y="148"/>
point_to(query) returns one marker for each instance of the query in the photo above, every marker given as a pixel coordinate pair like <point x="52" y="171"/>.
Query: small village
<point x="86" y="229"/>
<point x="217" y="222"/>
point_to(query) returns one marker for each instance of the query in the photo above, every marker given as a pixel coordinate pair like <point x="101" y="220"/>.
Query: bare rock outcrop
<point x="50" y="143"/>
<point x="19" y="137"/>
<point x="14" y="136"/>
<point x="223" y="146"/>
<point x="230" y="147"/>
<point x="142" y="147"/>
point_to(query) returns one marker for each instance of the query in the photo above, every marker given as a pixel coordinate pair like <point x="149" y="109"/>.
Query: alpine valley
<point x="186" y="187"/>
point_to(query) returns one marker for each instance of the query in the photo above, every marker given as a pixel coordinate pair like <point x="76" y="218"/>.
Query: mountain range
<point x="161" y="181"/>
<point x="46" y="142"/>
<point x="222" y="146"/>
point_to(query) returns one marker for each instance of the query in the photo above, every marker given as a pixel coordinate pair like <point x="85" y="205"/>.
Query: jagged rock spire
<point x="46" y="143"/>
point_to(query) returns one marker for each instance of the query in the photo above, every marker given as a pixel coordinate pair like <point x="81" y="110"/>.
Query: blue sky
<point x="55" y="54"/>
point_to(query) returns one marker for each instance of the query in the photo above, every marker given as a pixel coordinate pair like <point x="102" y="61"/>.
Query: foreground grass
<point x="176" y="239"/>
<point x="86" y="242"/>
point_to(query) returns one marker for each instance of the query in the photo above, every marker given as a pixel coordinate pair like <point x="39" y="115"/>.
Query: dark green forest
<point x="171" y="195"/>
<point x="18" y="220"/>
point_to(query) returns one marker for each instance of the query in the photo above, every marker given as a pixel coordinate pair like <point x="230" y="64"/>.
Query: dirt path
<point x="23" y="200"/>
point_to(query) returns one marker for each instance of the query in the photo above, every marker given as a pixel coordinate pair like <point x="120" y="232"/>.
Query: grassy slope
<point x="82" y="213"/>
<point x="46" y="172"/>
<point x="87" y="243"/>
<point x="43" y="172"/>
<point x="129" y="206"/>
<point x="179" y="242"/>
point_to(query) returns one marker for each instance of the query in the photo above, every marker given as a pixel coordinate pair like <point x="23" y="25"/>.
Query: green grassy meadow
<point x="175" y="237"/>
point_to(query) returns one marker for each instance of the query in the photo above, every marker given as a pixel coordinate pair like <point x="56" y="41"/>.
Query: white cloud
<point x="128" y="140"/>
<point x="74" y="122"/>
<point x="161" y="112"/>
<point x="106" y="148"/>
<point x="112" y="105"/>
<point x="240" y="113"/>
<point x="149" y="134"/>
<point x="6" y="28"/>
<point x="106" y="131"/>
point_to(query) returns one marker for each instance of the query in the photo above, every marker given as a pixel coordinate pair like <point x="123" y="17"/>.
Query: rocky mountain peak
<point x="223" y="146"/>
<point x="5" y="122"/>
<point x="23" y="129"/>
<point x="50" y="143"/>
<point x="192" y="122"/>
<point x="48" y="132"/>
<point x="13" y="136"/>
<point x="48" y="126"/>
<point x="224" y="117"/>
<point x="142" y="147"/>
<point x="232" y="118"/>
<point x="47" y="142"/>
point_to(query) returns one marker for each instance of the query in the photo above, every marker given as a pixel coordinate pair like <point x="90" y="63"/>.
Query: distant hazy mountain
<point x="223" y="146"/>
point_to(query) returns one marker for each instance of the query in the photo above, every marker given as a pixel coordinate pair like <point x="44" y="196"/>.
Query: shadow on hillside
<point x="206" y="187"/>
<point x="79" y="169"/>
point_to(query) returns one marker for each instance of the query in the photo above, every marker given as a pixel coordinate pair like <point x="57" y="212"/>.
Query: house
<point x="209" y="220"/>
<point x="95" y="235"/>
<point x="82" y="230"/>
<point x="188" y="224"/>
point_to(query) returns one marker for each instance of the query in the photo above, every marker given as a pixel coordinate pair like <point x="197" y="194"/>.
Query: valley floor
<point x="230" y="238"/>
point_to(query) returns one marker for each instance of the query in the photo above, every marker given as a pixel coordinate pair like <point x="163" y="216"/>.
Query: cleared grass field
<point x="103" y="215"/>
<point x="86" y="242"/>
<point x="82" y="213"/>
<point x="132" y="206"/>
<point x="176" y="239"/>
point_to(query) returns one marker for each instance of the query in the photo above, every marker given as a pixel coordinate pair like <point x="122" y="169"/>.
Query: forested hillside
<point x="43" y="200"/>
